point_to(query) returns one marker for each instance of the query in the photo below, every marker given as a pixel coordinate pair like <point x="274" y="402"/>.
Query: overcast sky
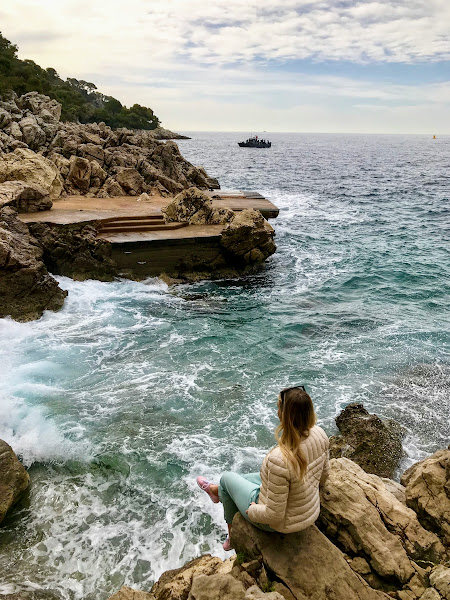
<point x="254" y="65"/>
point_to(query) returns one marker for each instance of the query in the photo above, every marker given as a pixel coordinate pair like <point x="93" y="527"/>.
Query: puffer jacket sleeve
<point x="278" y="483"/>
<point x="326" y="468"/>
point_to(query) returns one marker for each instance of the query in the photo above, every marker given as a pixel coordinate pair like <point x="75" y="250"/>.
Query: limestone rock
<point x="255" y="593"/>
<point x="364" y="518"/>
<point x="37" y="594"/>
<point x="79" y="173"/>
<point x="24" y="197"/>
<point x="307" y="563"/>
<point x="26" y="288"/>
<point x="176" y="584"/>
<point x="127" y="593"/>
<point x="216" y="587"/>
<point x="130" y="180"/>
<point x="428" y="492"/>
<point x="248" y="238"/>
<point x="5" y="118"/>
<point x="440" y="580"/>
<point x="374" y="444"/>
<point x="111" y="189"/>
<point x="196" y="208"/>
<point x="25" y="165"/>
<point x="430" y="594"/>
<point x="75" y="251"/>
<point x="14" y="479"/>
<point x="41" y="105"/>
<point x="32" y="134"/>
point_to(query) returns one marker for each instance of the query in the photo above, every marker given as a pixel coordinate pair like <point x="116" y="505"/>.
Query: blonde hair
<point x="297" y="416"/>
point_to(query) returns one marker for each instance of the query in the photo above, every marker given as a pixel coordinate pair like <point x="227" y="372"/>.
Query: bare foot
<point x="214" y="489"/>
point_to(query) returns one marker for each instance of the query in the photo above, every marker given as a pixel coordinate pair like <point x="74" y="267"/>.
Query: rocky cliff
<point x="91" y="159"/>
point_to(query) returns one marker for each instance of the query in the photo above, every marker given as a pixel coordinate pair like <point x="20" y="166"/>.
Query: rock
<point x="26" y="288"/>
<point x="364" y="518"/>
<point x="24" y="197"/>
<point x="196" y="208"/>
<point x="307" y="563"/>
<point x="111" y="189"/>
<point x="427" y="492"/>
<point x="41" y="105"/>
<point x="255" y="593"/>
<point x="440" y="580"/>
<point x="14" y="131"/>
<point x="395" y="488"/>
<point x="360" y="565"/>
<point x="5" y="118"/>
<point x="127" y="593"/>
<point x="130" y="181"/>
<point x="144" y="198"/>
<point x="176" y="584"/>
<point x="32" y="134"/>
<point x="14" y="479"/>
<point x="374" y="444"/>
<point x="248" y="238"/>
<point x="39" y="594"/>
<point x="430" y="594"/>
<point x="25" y="165"/>
<point x="79" y="173"/>
<point x="92" y="151"/>
<point x="216" y="587"/>
<point x="75" y="251"/>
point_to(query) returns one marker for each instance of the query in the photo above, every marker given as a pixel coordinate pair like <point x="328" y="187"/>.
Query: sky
<point x="252" y="65"/>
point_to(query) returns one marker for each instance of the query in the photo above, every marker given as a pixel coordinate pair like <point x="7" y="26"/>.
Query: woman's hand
<point x="249" y="506"/>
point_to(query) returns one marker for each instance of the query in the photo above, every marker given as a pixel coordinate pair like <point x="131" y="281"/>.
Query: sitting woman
<point x="284" y="497"/>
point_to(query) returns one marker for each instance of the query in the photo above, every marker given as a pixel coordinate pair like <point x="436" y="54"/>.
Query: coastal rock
<point x="427" y="492"/>
<point x="248" y="238"/>
<point x="75" y="251"/>
<point x="374" y="444"/>
<point x="365" y="519"/>
<point x="130" y="181"/>
<point x="196" y="208"/>
<point x="24" y="197"/>
<point x="32" y="134"/>
<point x="25" y="165"/>
<point x="176" y="584"/>
<point x="43" y="106"/>
<point x="307" y="563"/>
<point x="440" y="580"/>
<point x="127" y="593"/>
<point x="79" y="173"/>
<point x="26" y="288"/>
<point x="14" y="479"/>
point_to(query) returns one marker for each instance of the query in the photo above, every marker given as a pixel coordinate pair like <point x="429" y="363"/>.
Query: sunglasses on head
<point x="294" y="387"/>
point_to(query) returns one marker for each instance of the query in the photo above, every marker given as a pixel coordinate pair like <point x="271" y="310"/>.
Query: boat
<point x="255" y="142"/>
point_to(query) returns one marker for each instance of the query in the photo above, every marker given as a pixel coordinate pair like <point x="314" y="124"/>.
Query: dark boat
<point x="255" y="142"/>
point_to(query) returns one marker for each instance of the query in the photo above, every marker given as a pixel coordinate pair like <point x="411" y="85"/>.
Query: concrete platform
<point x="82" y="209"/>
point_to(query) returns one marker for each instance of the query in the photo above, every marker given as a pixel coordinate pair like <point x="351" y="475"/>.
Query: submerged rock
<point x="26" y="288"/>
<point x="373" y="443"/>
<point x="14" y="479"/>
<point x="427" y="489"/>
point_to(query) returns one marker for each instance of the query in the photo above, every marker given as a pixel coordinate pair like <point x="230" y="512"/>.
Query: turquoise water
<point x="118" y="401"/>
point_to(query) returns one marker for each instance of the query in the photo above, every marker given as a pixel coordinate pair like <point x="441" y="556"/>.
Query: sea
<point x="117" y="402"/>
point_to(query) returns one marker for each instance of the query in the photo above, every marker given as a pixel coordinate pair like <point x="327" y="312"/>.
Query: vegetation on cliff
<point x="80" y="100"/>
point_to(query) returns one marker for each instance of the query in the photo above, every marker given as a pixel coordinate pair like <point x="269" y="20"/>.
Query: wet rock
<point x="24" y="197"/>
<point x="248" y="238"/>
<point x="307" y="563"/>
<point x="75" y="251"/>
<point x="26" y="288"/>
<point x="374" y="444"/>
<point x="427" y="492"/>
<point x="25" y="165"/>
<point x="14" y="479"/>
<point x="28" y="594"/>
<point x="365" y="519"/>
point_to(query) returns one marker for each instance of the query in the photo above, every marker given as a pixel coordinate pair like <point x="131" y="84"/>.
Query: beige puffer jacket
<point x="285" y="503"/>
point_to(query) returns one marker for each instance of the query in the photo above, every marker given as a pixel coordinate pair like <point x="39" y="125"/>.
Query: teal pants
<point x="237" y="492"/>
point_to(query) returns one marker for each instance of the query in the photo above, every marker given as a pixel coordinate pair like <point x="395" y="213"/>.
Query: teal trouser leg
<point x="237" y="492"/>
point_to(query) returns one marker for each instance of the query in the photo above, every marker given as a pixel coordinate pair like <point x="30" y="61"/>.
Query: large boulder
<point x="24" y="197"/>
<point x="26" y="288"/>
<point x="130" y="180"/>
<point x="427" y="491"/>
<point x="79" y="173"/>
<point x="32" y="134"/>
<point x="307" y="563"/>
<point x="43" y="106"/>
<point x="14" y="479"/>
<point x="25" y="165"/>
<point x="373" y="443"/>
<point x="248" y="238"/>
<point x="365" y="519"/>
<point x="440" y="580"/>
<point x="196" y="208"/>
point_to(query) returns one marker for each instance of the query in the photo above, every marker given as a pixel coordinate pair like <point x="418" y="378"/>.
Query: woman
<point x="284" y="497"/>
